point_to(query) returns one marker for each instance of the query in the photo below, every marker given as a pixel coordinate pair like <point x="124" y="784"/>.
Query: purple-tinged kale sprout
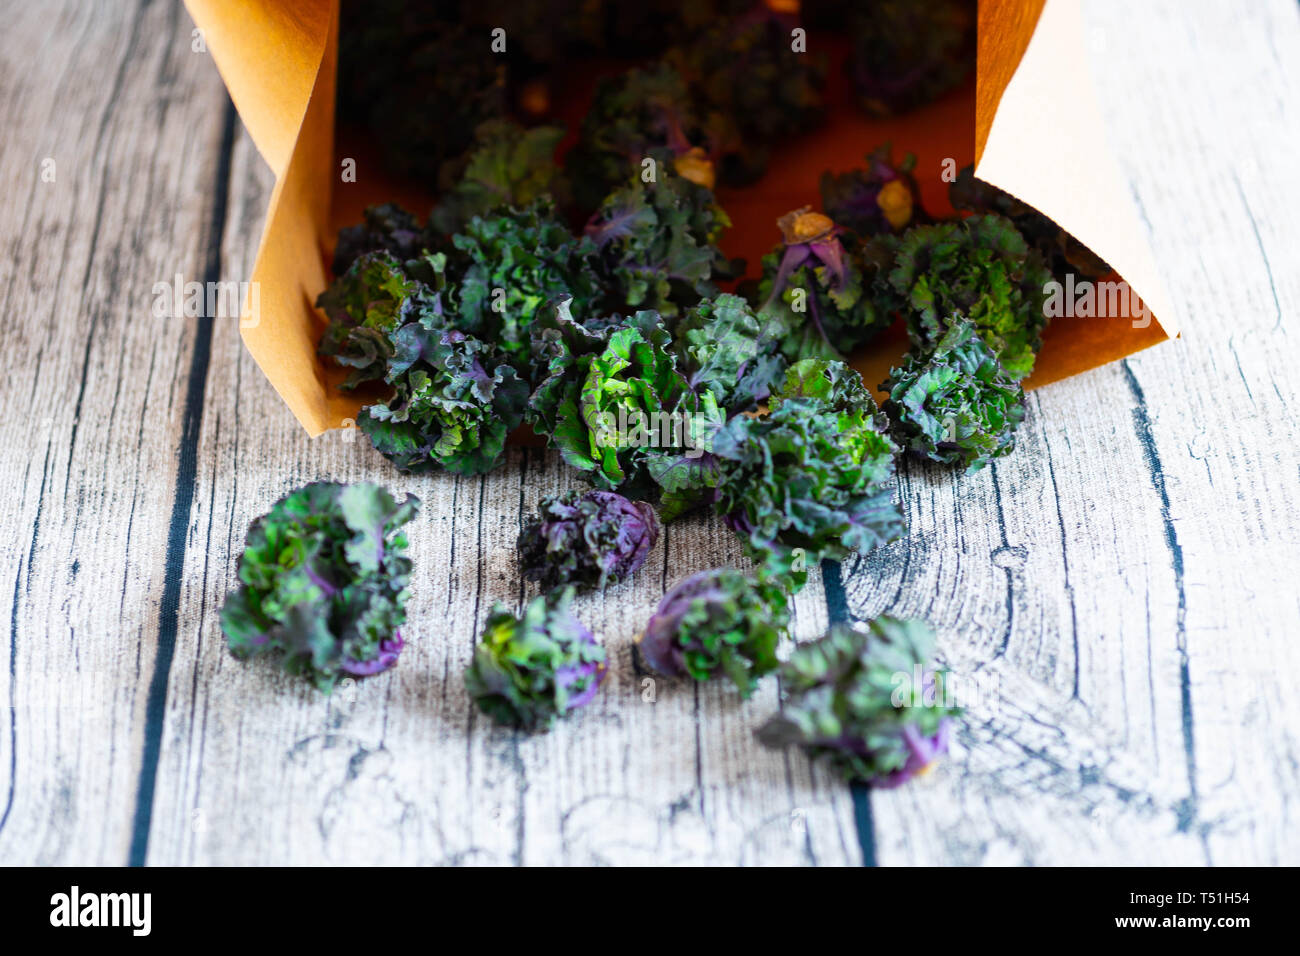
<point x="957" y="404"/>
<point x="813" y="292"/>
<point x="870" y="701"/>
<point x="718" y="621"/>
<point x="588" y="539"/>
<point x="529" y="671"/>
<point x="323" y="583"/>
<point x="906" y="53"/>
<point x="882" y="197"/>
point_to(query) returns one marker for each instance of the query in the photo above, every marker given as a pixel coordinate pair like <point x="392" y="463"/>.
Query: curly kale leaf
<point x="518" y="261"/>
<point x="813" y="478"/>
<point x="454" y="405"/>
<point x="623" y="406"/>
<point x="978" y="267"/>
<point x="688" y="474"/>
<point x="588" y="539"/>
<point x="956" y="405"/>
<point x="718" y="622"/>
<point x="815" y="295"/>
<point x="510" y="166"/>
<point x="835" y="385"/>
<point x="323" y="582"/>
<point x="562" y="346"/>
<point x="369" y="303"/>
<point x="869" y="701"/>
<point x="1061" y="251"/>
<point x="530" y="670"/>
<point x="658" y="243"/>
<point x="724" y="348"/>
<point x="611" y="398"/>
<point x="906" y="53"/>
<point x="883" y="197"/>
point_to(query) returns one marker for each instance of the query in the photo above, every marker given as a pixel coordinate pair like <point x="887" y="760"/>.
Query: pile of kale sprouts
<point x="585" y="299"/>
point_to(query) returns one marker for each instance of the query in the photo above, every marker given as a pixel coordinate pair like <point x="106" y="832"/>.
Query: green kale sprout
<point x="812" y="479"/>
<point x="687" y="473"/>
<point x="869" y="701"/>
<point x="956" y="405"/>
<point x="611" y="398"/>
<point x="365" y="306"/>
<point x="981" y="268"/>
<point x="815" y="293"/>
<point x="519" y="261"/>
<point x="529" y="671"/>
<point x="657" y="241"/>
<point x="588" y="539"/>
<point x="455" y="402"/>
<point x="724" y="348"/>
<point x="323" y="582"/>
<point x="718" y="622"/>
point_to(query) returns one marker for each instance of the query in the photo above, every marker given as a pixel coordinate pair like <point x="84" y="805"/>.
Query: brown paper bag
<point x="1038" y="135"/>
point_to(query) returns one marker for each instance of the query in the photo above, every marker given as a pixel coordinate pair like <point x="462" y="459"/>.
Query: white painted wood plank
<point x="1123" y="586"/>
<point x="1127" y="577"/>
<point x="1223" y="408"/>
<point x="91" y="413"/>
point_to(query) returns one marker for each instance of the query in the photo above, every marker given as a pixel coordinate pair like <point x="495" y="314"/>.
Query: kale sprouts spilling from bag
<point x="586" y="294"/>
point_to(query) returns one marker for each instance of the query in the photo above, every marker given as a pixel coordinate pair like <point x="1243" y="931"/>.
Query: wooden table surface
<point x="1122" y="590"/>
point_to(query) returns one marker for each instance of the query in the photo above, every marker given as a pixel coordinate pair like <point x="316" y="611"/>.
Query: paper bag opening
<point x="1029" y="120"/>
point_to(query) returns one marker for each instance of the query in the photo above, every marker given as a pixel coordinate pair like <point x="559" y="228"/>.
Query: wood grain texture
<point x="1118" y="595"/>
<point x="1121" y="591"/>
<point x="93" y="407"/>
<point x="401" y="768"/>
